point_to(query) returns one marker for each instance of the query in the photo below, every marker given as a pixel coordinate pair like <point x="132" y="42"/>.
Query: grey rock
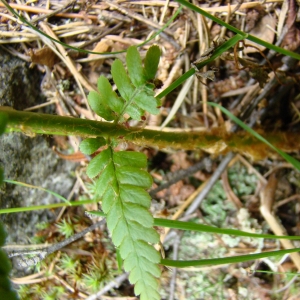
<point x="27" y="159"/>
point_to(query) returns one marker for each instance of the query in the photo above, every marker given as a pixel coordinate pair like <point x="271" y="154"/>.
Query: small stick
<point x="138" y="17"/>
<point x="40" y="254"/>
<point x="267" y="198"/>
<point x="54" y="12"/>
<point x="182" y="174"/>
<point x="34" y="9"/>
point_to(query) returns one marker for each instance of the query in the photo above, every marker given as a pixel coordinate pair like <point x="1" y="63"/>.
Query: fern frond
<point x="122" y="178"/>
<point x="121" y="186"/>
<point x="135" y="88"/>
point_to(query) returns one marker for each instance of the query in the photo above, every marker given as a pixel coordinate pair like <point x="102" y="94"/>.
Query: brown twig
<point x="53" y="13"/>
<point x="37" y="10"/>
<point x="229" y="192"/>
<point x="267" y="199"/>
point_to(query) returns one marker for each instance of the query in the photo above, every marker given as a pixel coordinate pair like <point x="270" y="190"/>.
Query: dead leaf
<point x="44" y="56"/>
<point x="262" y="31"/>
<point x="292" y="38"/>
<point x="179" y="192"/>
<point x="253" y="16"/>
<point x="180" y="161"/>
<point x="104" y="45"/>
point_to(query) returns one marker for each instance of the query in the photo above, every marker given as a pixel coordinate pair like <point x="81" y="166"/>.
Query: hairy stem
<point x="215" y="141"/>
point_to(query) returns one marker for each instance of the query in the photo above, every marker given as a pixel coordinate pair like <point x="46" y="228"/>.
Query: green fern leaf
<point x="110" y="97"/>
<point x="135" y="67"/>
<point x="133" y="260"/>
<point x="145" y="100"/>
<point x="122" y="177"/>
<point x="138" y="214"/>
<point x="133" y="159"/>
<point x="99" y="106"/>
<point x="98" y="164"/>
<point x="109" y="197"/>
<point x="151" y="292"/>
<point x="126" y="90"/>
<point x="121" y="186"/>
<point x="89" y="146"/>
<point x="121" y="79"/>
<point x="133" y="176"/>
<point x="105" y="181"/>
<point x="135" y="194"/>
<point x="151" y="62"/>
<point x="142" y="248"/>
<point x="142" y="233"/>
<point x="135" y="88"/>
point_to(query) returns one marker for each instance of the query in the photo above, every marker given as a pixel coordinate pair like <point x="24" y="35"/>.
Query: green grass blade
<point x="206" y="228"/>
<point x="222" y="48"/>
<point x="209" y="16"/>
<point x="283" y="51"/>
<point x="49" y="206"/>
<point x="287" y="157"/>
<point x="278" y="273"/>
<point x="234" y="29"/>
<point x="195" y="227"/>
<point x="225" y="260"/>
<point x="151" y="62"/>
<point x="159" y="222"/>
<point x="38" y="188"/>
<point x="176" y="83"/>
